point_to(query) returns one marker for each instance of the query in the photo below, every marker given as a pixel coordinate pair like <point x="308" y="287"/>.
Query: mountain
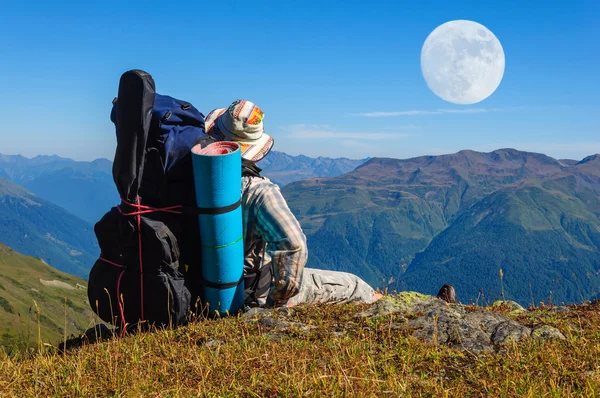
<point x="35" y="227"/>
<point x="545" y="238"/>
<point x="26" y="282"/>
<point x="283" y="169"/>
<point x="85" y="189"/>
<point x="430" y="220"/>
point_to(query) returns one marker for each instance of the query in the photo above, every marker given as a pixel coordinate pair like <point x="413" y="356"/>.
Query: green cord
<point x="222" y="246"/>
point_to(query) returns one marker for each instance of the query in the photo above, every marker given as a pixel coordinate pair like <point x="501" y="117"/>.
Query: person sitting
<point x="275" y="247"/>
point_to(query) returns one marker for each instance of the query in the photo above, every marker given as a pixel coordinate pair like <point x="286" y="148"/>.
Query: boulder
<point x="436" y="321"/>
<point x="548" y="332"/>
<point x="510" y="331"/>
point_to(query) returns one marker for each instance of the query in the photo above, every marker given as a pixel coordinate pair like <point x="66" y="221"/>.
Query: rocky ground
<point x="406" y="344"/>
<point x="434" y="321"/>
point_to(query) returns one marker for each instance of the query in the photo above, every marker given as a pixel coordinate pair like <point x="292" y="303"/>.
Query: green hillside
<point x="26" y="282"/>
<point x="36" y="227"/>
<point x="546" y="240"/>
<point x="423" y="216"/>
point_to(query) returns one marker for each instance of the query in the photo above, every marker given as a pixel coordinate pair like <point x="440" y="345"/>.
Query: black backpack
<point x="150" y="252"/>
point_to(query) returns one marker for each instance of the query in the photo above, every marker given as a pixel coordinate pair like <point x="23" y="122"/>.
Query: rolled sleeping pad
<point x="217" y="180"/>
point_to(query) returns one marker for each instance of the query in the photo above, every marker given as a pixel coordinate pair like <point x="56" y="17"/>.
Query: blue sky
<point x="313" y="67"/>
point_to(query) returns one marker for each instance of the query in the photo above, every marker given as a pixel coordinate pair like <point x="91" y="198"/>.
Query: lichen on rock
<point x="435" y="321"/>
<point x="515" y="308"/>
<point x="547" y="332"/>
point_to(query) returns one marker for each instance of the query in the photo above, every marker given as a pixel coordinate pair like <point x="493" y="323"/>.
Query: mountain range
<point x="459" y="218"/>
<point x="87" y="189"/>
<point x="49" y="204"/>
<point x="283" y="169"/>
<point x="398" y="223"/>
<point x="36" y="227"/>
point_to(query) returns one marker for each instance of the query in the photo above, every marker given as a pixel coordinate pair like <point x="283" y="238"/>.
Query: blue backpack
<point x="175" y="127"/>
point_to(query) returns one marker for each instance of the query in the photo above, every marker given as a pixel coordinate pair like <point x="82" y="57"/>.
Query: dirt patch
<point x="56" y="283"/>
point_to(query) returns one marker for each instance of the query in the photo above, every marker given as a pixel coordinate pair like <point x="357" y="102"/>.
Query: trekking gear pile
<point x="152" y="236"/>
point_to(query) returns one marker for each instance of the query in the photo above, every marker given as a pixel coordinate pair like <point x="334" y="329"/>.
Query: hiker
<point x="275" y="250"/>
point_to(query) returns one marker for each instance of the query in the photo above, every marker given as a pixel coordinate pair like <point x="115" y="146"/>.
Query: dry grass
<point x="234" y="357"/>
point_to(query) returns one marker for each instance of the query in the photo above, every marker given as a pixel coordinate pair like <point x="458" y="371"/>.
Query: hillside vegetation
<point x="38" y="302"/>
<point x="415" y="224"/>
<point x="328" y="350"/>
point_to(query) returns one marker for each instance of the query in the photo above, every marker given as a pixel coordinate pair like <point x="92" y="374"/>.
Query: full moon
<point x="462" y="62"/>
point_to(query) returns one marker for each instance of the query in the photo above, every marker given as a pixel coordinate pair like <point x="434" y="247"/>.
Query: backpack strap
<point x="250" y="169"/>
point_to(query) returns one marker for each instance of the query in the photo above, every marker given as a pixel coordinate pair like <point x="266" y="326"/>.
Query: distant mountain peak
<point x="49" y="157"/>
<point x="283" y="168"/>
<point x="11" y="158"/>
<point x="591" y="158"/>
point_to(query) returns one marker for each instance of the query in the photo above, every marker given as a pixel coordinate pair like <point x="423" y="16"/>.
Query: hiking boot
<point x="447" y="293"/>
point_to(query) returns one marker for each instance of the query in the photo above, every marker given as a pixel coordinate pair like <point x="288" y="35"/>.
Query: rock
<point x="485" y="320"/>
<point x="452" y="328"/>
<point x="436" y="321"/>
<point x="257" y="312"/>
<point x="274" y="323"/>
<point x="278" y="324"/>
<point x="275" y="336"/>
<point x="384" y="306"/>
<point x="214" y="343"/>
<point x="408" y="302"/>
<point x="469" y="338"/>
<point x="510" y="331"/>
<point x="560" y="309"/>
<point x="285" y="311"/>
<point x="547" y="332"/>
<point x="515" y="308"/>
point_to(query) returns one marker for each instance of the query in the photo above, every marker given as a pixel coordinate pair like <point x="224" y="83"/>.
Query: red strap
<point x="110" y="262"/>
<point x="139" y="225"/>
<point x="140" y="209"/>
<point x="118" y="288"/>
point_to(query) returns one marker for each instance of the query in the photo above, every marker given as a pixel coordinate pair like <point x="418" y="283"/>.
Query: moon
<point x="462" y="62"/>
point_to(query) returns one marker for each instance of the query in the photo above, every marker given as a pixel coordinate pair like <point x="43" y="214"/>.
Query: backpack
<point x="149" y="241"/>
<point x="176" y="127"/>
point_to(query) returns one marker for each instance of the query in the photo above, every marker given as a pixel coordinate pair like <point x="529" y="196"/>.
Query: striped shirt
<point x="272" y="238"/>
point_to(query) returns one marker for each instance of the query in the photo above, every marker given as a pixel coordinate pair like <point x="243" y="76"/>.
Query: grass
<point x="30" y="296"/>
<point x="340" y="356"/>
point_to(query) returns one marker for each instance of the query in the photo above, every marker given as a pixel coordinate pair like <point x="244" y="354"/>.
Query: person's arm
<point x="286" y="244"/>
